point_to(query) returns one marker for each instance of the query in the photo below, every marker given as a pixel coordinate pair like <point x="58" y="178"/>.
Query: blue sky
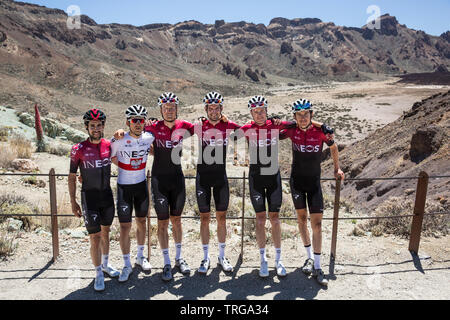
<point x="431" y="16"/>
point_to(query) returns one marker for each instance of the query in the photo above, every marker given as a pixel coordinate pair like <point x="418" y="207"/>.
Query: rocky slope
<point x="113" y="65"/>
<point x="417" y="141"/>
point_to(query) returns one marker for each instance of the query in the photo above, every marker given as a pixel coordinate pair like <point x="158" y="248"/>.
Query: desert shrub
<point x="438" y="225"/>
<point x="22" y="146"/>
<point x="59" y="150"/>
<point x="7" y="244"/>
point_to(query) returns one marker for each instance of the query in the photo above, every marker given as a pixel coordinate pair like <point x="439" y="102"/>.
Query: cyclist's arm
<point x="115" y="161"/>
<point x="338" y="173"/>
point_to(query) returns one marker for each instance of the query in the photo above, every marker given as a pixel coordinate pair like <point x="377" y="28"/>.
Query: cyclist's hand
<point x="224" y="118"/>
<point x="76" y="209"/>
<point x="339" y="175"/>
<point x="80" y="179"/>
<point x="119" y="134"/>
<point x="151" y="150"/>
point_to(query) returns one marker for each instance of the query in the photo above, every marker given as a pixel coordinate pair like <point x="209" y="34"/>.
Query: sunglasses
<point x="257" y="104"/>
<point x="137" y="121"/>
<point x="168" y="100"/>
<point x="210" y="101"/>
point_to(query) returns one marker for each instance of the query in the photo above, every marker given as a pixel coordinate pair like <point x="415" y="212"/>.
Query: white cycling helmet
<point x="213" y="97"/>
<point x="257" y="102"/>
<point x="136" y="111"/>
<point x="167" y="97"/>
<point x="301" y="104"/>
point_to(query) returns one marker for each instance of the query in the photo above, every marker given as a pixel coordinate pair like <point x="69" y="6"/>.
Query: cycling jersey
<point x="168" y="140"/>
<point x="214" y="140"/>
<point x="262" y="140"/>
<point x="306" y="149"/>
<point x="132" y="156"/>
<point x="94" y="161"/>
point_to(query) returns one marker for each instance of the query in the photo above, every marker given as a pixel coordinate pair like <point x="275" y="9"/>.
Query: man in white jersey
<point x="130" y="155"/>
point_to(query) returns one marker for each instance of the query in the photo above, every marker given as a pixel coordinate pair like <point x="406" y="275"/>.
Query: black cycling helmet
<point x="94" y="114"/>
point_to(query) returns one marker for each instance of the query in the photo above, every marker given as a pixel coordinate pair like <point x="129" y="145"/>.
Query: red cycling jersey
<point x="94" y="161"/>
<point x="166" y="140"/>
<point x="306" y="149"/>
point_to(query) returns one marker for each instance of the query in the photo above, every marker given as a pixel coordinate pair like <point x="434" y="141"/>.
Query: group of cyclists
<point x="163" y="139"/>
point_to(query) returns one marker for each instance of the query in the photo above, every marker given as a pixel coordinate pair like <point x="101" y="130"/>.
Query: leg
<point x="276" y="228"/>
<point x="96" y="253"/>
<point x="302" y="219"/>
<point x="105" y="239"/>
<point x="221" y="217"/>
<point x="141" y="229"/>
<point x="163" y="235"/>
<point x="124" y="240"/>
<point x="316" y="226"/>
<point x="176" y="228"/>
<point x="261" y="229"/>
<point x="205" y="219"/>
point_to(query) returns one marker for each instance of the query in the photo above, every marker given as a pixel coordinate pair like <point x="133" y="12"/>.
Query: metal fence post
<point x="243" y="221"/>
<point x="149" y="225"/>
<point x="337" y="196"/>
<point x="419" y="209"/>
<point x="53" y="213"/>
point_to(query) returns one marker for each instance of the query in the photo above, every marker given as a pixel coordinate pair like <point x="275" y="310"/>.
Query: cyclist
<point x="264" y="177"/>
<point x="93" y="157"/>
<point x="130" y="155"/>
<point x="307" y="143"/>
<point x="213" y="135"/>
<point x="168" y="185"/>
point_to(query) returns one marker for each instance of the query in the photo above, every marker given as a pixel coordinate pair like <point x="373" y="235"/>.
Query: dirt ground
<point x="366" y="268"/>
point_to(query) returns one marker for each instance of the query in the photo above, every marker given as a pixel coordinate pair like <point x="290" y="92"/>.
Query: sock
<point x="308" y="251"/>
<point x="98" y="271"/>
<point x="205" y="251"/>
<point x="317" y="261"/>
<point x="221" y="250"/>
<point x="262" y="253"/>
<point x="178" y="252"/>
<point x="140" y="251"/>
<point x="277" y="254"/>
<point x="105" y="258"/>
<point x="165" y="253"/>
<point x="126" y="260"/>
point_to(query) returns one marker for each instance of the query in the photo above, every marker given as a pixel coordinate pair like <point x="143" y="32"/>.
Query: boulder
<point x="14" y="225"/>
<point x="424" y="142"/>
<point x="24" y="165"/>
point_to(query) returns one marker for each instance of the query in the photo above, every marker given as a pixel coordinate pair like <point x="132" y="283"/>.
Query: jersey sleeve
<point x="287" y="124"/>
<point x="232" y="125"/>
<point x="189" y="127"/>
<point x="284" y="134"/>
<point x="326" y="140"/>
<point x="74" y="159"/>
<point x="149" y="137"/>
<point x="114" y="147"/>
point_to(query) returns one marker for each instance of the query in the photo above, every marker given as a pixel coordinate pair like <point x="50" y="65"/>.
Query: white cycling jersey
<point x="132" y="156"/>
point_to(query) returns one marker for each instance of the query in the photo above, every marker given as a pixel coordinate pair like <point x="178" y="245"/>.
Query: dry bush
<point x="438" y="225"/>
<point x="22" y="146"/>
<point x="59" y="150"/>
<point x="16" y="204"/>
<point x="7" y="155"/>
<point x="7" y="244"/>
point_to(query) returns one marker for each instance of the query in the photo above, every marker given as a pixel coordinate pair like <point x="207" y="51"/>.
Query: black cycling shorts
<point x="131" y="196"/>
<point x="264" y="187"/>
<point x="220" y="189"/>
<point x="97" y="208"/>
<point x="307" y="190"/>
<point x="168" y="195"/>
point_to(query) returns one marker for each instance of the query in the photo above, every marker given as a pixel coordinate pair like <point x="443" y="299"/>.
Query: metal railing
<point x="416" y="225"/>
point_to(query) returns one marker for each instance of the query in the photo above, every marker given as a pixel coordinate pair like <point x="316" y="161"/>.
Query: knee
<point x="95" y="238"/>
<point x="125" y="227"/>
<point x="141" y="222"/>
<point x="275" y="221"/>
<point x="205" y="218"/>
<point x="302" y="220"/>
<point x="261" y="221"/>
<point x="317" y="225"/>
<point x="221" y="218"/>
